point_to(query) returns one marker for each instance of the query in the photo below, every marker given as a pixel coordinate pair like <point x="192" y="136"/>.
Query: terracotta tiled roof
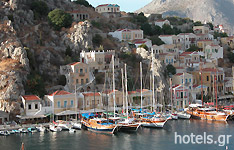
<point x="91" y="94"/>
<point x="74" y="63"/>
<point x="205" y="40"/>
<point x="178" y="74"/>
<point x="185" y="53"/>
<point x="210" y="70"/>
<point x="60" y="93"/>
<point x="30" y="97"/>
<point x="179" y="67"/>
<point x="177" y="85"/>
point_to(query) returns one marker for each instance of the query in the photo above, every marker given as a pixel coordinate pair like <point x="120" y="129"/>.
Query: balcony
<point x="100" y="62"/>
<point x="82" y="74"/>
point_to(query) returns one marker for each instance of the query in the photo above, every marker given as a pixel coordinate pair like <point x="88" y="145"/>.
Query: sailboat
<point x="127" y="124"/>
<point x="100" y="125"/>
<point x="76" y="124"/>
<point x="151" y="119"/>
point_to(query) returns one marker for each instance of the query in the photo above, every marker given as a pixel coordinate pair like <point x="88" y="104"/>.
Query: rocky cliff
<point x="215" y="11"/>
<point x="29" y="46"/>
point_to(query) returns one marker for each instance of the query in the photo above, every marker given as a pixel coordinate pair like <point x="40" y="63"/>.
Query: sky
<point x="125" y="5"/>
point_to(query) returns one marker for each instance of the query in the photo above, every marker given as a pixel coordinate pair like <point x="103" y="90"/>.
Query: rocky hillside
<point x="215" y="11"/>
<point x="31" y="51"/>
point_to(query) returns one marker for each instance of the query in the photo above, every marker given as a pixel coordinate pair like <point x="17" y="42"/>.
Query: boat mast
<point x="183" y="90"/>
<point x="126" y="89"/>
<point x="171" y="95"/>
<point x="123" y="90"/>
<point x="201" y="85"/>
<point x="113" y="75"/>
<point x="153" y="82"/>
<point x="216" y="90"/>
<point x="76" y="103"/>
<point x="141" y="82"/>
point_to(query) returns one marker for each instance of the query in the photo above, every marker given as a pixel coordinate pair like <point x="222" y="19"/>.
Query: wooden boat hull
<point x="209" y="116"/>
<point x="153" y="123"/>
<point x="129" y="127"/>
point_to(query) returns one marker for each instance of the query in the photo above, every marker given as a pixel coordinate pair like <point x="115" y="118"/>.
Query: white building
<point x="160" y="23"/>
<point x="99" y="60"/>
<point x="165" y="48"/>
<point x="127" y="34"/>
<point x="213" y="51"/>
<point x="187" y="40"/>
<point x="31" y="103"/>
<point x="147" y="42"/>
<point x="170" y="39"/>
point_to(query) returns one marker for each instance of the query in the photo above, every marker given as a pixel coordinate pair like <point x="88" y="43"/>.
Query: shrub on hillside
<point x="58" y="19"/>
<point x="39" y="8"/>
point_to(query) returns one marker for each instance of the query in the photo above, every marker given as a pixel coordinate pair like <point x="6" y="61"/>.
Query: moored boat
<point x="100" y="125"/>
<point x="183" y="115"/>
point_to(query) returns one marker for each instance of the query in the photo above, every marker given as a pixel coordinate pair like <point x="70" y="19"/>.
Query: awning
<point x="225" y="97"/>
<point x="30" y="117"/>
<point x="92" y="111"/>
<point x="66" y="112"/>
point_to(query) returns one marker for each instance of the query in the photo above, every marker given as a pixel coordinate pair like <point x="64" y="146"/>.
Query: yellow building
<point x="201" y="29"/>
<point x="92" y="100"/>
<point x="62" y="101"/>
<point x="203" y="43"/>
<point x="228" y="41"/>
<point x="77" y="74"/>
<point x="208" y="76"/>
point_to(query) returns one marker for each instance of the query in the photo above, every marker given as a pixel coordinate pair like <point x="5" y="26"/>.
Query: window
<point x="177" y="103"/>
<point x="186" y="80"/>
<point x="181" y="94"/>
<point x="82" y="81"/>
<point x="29" y="106"/>
<point x="166" y="60"/>
<point x="76" y="70"/>
<point x="182" y="81"/>
<point x="177" y="94"/>
<point x="77" y="81"/>
<point x="65" y="104"/>
<point x="58" y="104"/>
<point x="81" y="70"/>
<point x="85" y="70"/>
<point x="36" y="106"/>
<point x="87" y="80"/>
<point x="87" y="102"/>
<point x="207" y="78"/>
<point x="72" y="103"/>
<point x="190" y="80"/>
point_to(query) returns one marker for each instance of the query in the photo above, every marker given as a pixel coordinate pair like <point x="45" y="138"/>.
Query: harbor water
<point x="145" y="138"/>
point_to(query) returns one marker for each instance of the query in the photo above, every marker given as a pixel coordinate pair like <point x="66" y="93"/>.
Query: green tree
<point x="197" y="23"/>
<point x="39" y="8"/>
<point x="231" y="57"/>
<point x="156" y="40"/>
<point x="144" y="46"/>
<point x="68" y="51"/>
<point x="156" y="30"/>
<point x="210" y="25"/>
<point x="83" y="2"/>
<point x="97" y="40"/>
<point x="192" y="48"/>
<point x="146" y="27"/>
<point x="62" y="80"/>
<point x="170" y="69"/>
<point x="217" y="34"/>
<point x="35" y="84"/>
<point x="58" y="19"/>
<point x="140" y="19"/>
<point x="166" y="29"/>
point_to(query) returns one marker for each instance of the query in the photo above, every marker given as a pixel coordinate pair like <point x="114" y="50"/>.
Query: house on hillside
<point x="180" y="96"/>
<point x="77" y="75"/>
<point x="213" y="52"/>
<point x="161" y="22"/>
<point x="109" y="10"/>
<point x="78" y="15"/>
<point x="128" y="34"/>
<point x="201" y="29"/>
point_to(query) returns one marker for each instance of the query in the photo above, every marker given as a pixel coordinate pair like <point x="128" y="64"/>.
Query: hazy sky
<point x="125" y="5"/>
